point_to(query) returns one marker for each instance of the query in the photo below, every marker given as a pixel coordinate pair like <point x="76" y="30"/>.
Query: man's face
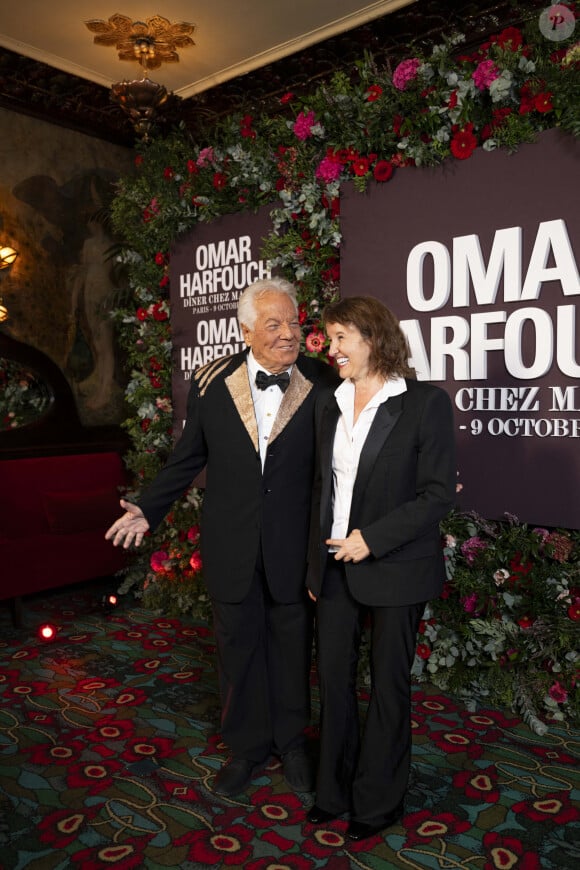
<point x="275" y="338"/>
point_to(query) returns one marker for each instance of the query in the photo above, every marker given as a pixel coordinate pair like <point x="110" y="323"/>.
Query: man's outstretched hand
<point x="130" y="528"/>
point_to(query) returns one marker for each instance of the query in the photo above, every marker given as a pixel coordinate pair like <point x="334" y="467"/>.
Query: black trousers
<point x="365" y="774"/>
<point x="264" y="656"/>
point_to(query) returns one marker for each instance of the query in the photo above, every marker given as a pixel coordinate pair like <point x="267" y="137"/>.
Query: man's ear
<point x="247" y="333"/>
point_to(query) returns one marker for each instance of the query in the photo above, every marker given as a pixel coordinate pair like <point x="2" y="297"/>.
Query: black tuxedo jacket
<point x="244" y="508"/>
<point x="404" y="486"/>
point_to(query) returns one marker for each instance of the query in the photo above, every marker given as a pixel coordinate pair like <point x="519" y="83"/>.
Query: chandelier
<point x="150" y="43"/>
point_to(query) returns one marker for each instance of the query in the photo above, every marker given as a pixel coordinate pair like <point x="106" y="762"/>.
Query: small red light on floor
<point x="47" y="632"/>
<point x="109" y="601"/>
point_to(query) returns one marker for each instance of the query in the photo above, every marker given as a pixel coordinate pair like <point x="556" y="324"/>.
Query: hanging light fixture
<point x="150" y="43"/>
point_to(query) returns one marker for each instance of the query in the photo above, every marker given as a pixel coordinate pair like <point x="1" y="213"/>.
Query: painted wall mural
<point x="53" y="199"/>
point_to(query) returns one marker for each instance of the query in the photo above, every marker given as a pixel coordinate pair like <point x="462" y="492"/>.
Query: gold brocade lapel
<point x="297" y="390"/>
<point x="238" y="385"/>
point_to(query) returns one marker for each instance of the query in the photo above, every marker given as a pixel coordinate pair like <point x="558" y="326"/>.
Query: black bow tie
<point x="263" y="381"/>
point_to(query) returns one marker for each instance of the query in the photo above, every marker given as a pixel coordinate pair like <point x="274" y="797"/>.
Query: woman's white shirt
<point x="349" y="440"/>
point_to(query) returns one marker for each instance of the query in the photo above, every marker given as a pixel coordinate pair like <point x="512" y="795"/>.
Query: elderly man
<point x="250" y="425"/>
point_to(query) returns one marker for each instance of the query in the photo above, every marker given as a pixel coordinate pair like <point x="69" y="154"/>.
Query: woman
<point x="386" y="479"/>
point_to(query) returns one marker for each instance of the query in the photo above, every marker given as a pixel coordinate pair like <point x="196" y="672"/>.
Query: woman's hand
<point x="129" y="528"/>
<point x="351" y="549"/>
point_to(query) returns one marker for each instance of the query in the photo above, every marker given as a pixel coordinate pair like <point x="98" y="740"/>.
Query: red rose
<point x="141" y="314"/>
<point x="286" y="98"/>
<point x="543" y="102"/>
<point x="192" y="167"/>
<point x="158" y="312"/>
<point x="168" y="172"/>
<point x="160" y="258"/>
<point x="463" y="144"/>
<point x="423" y="651"/>
<point x="574" y="611"/>
<point x="219" y="180"/>
<point x="373" y="93"/>
<point x="525" y="622"/>
<point x="383" y="170"/>
<point x="510" y="38"/>
<point x="361" y="166"/>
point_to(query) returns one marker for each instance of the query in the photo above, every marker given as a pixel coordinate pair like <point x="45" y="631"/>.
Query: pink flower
<point x="405" y="72"/>
<point x="469" y="603"/>
<point x="315" y="342"/>
<point x="303" y="125"/>
<point x="328" y="169"/>
<point x="558" y="693"/>
<point x="485" y="73"/>
<point x="205" y="156"/>
<point x="195" y="562"/>
<point x="471" y="547"/>
<point x="193" y="533"/>
<point x="158" y="561"/>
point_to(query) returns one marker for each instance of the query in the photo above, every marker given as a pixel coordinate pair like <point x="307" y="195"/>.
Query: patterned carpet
<point x="108" y="751"/>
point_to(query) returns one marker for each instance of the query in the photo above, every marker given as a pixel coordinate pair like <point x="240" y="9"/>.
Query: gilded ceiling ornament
<point x="151" y="42"/>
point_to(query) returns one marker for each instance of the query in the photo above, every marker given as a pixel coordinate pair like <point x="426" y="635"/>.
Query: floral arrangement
<point x="23" y="398"/>
<point x="366" y="126"/>
<point x="506" y="628"/>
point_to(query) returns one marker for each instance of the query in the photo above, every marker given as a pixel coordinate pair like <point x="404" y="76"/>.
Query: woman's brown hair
<point x="378" y="325"/>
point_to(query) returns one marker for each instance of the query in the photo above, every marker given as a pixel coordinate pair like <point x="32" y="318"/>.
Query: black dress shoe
<point x="297" y="769"/>
<point x="318" y="816"/>
<point x="235" y="776"/>
<point x="361" y="831"/>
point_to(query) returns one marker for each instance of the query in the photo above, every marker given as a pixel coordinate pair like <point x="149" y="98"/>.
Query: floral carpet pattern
<point x="109" y="746"/>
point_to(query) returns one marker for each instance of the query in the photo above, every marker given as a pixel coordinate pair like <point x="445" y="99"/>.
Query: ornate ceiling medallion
<point x="150" y="43"/>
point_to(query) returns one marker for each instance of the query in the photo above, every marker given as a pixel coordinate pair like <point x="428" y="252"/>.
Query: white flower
<point x="500" y="576"/>
<point x="500" y="87"/>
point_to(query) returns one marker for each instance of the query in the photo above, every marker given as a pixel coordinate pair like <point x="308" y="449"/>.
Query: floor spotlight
<point x="109" y="601"/>
<point x="47" y="631"/>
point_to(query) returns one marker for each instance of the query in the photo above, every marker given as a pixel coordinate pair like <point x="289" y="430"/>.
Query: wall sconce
<point x="7" y="256"/>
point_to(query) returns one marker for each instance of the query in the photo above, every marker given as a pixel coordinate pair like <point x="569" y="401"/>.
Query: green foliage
<point x="507" y="625"/>
<point x="23" y="398"/>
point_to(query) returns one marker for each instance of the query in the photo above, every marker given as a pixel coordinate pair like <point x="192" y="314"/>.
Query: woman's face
<point x="351" y="351"/>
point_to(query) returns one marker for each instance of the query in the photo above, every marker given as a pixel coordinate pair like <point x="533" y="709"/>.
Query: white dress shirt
<point x="349" y="440"/>
<point x="266" y="404"/>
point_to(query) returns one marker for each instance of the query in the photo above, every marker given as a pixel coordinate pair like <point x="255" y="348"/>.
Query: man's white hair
<point x="247" y="313"/>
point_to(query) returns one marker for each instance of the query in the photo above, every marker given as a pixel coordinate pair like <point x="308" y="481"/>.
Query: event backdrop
<point x="477" y="259"/>
<point x="210" y="266"/>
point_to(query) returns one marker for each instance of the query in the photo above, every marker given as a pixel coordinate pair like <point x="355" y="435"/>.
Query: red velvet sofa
<point x="54" y="511"/>
<point x="60" y="485"/>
